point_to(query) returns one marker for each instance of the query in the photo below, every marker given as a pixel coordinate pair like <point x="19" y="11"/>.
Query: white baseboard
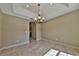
<point x="7" y="47"/>
<point x="62" y="43"/>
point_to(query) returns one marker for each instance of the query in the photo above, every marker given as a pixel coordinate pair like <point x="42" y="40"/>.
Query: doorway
<point x="32" y="30"/>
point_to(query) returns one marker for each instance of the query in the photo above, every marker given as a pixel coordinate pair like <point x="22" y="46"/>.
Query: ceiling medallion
<point x="39" y="18"/>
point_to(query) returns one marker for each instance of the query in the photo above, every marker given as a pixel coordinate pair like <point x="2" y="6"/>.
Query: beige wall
<point x="63" y="29"/>
<point x="15" y="30"/>
<point x="38" y="31"/>
<point x="0" y="28"/>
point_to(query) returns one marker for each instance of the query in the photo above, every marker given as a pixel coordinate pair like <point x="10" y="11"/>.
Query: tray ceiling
<point x="46" y="9"/>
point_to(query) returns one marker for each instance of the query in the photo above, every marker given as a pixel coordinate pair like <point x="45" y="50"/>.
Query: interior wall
<point x="0" y="28"/>
<point x="15" y="30"/>
<point x="38" y="31"/>
<point x="63" y="29"/>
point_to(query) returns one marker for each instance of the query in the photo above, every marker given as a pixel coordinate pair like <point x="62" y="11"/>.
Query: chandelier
<point x="39" y="18"/>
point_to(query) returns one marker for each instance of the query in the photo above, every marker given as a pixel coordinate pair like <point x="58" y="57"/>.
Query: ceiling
<point x="48" y="10"/>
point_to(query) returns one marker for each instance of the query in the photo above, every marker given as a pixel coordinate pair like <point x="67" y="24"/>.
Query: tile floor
<point x="37" y="48"/>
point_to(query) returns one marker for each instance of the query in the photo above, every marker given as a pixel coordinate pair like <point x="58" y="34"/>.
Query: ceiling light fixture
<point x="27" y="6"/>
<point x="39" y="18"/>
